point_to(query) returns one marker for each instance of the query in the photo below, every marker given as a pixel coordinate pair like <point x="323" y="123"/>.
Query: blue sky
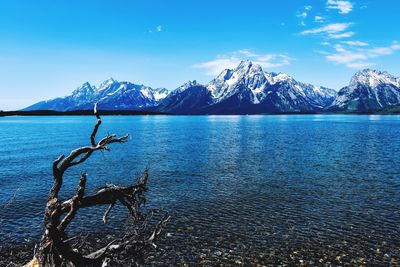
<point x="48" y="48"/>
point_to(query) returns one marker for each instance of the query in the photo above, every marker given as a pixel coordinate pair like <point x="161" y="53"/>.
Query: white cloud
<point x="359" y="57"/>
<point x="333" y="31"/>
<point x="395" y="46"/>
<point x="340" y="35"/>
<point x="303" y="15"/>
<point x="214" y="67"/>
<point x="159" y="28"/>
<point x="319" y="19"/>
<point x="359" y="65"/>
<point x="344" y="56"/>
<point x="384" y="51"/>
<point x="355" y="43"/>
<point x="344" y="7"/>
<point x="231" y="60"/>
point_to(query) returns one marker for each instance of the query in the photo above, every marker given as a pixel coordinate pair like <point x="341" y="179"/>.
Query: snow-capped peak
<point x="373" y="78"/>
<point x="369" y="90"/>
<point x="246" y="74"/>
<point x="107" y="83"/>
<point x="83" y="90"/>
<point x="248" y="81"/>
<point x="187" y="85"/>
<point x="248" y="69"/>
<point x="85" y="84"/>
<point x="246" y="66"/>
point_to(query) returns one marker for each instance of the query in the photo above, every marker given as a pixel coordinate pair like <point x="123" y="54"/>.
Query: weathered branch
<point x="110" y="194"/>
<point x="74" y="204"/>
<point x="55" y="248"/>
<point x="96" y="127"/>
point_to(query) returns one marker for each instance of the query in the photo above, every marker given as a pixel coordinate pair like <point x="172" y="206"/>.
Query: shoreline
<point x="77" y="113"/>
<point x="141" y="113"/>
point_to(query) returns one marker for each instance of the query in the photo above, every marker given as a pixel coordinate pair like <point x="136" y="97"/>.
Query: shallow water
<point x="242" y="189"/>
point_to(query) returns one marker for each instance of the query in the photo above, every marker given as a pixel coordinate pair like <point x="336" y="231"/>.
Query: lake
<point x="287" y="189"/>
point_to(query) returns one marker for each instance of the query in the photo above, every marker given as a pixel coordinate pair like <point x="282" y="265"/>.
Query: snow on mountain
<point x="160" y="94"/>
<point x="187" y="85"/>
<point x="247" y="78"/>
<point x="249" y="85"/>
<point x="110" y="94"/>
<point x="374" y="78"/>
<point x="247" y="89"/>
<point x="368" y="90"/>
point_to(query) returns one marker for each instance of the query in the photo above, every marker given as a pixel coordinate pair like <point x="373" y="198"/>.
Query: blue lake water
<point x="242" y="189"/>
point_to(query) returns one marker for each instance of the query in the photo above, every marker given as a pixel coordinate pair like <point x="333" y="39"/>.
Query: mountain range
<point x="247" y="89"/>
<point x="111" y="95"/>
<point x="369" y="90"/>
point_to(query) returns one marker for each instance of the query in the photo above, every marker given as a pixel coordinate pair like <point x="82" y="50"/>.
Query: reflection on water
<point x="242" y="189"/>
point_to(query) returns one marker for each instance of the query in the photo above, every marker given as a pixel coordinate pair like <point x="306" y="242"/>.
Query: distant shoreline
<point x="138" y="113"/>
<point x="76" y="113"/>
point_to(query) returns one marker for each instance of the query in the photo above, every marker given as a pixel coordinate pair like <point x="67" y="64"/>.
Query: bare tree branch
<point x="74" y="204"/>
<point x="96" y="127"/>
<point x="55" y="248"/>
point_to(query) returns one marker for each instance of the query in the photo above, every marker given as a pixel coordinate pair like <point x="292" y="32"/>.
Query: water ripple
<point x="243" y="190"/>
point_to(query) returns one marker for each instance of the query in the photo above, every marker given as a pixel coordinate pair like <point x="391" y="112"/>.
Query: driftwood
<point x="55" y="248"/>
